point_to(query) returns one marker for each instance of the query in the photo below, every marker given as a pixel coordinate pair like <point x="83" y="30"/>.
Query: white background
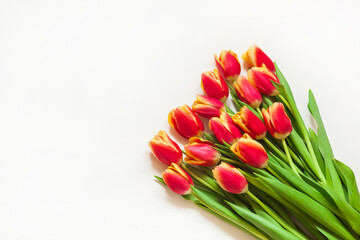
<point x="84" y="85"/>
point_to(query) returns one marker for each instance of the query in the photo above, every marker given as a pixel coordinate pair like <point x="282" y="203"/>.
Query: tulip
<point x="250" y="152"/>
<point x="255" y="57"/>
<point x="261" y="78"/>
<point x="201" y="152"/>
<point x="208" y="107"/>
<point x="247" y="92"/>
<point x="250" y="123"/>
<point x="177" y="179"/>
<point x="228" y="65"/>
<point x="214" y="85"/>
<point x="165" y="149"/>
<point x="230" y="178"/>
<point x="277" y="121"/>
<point x="224" y="129"/>
<point x="185" y="122"/>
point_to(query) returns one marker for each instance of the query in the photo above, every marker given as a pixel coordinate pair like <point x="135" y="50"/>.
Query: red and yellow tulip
<point x="228" y="65"/>
<point x="250" y="152"/>
<point x="185" y="122"/>
<point x="177" y="179"/>
<point x="165" y="149"/>
<point x="255" y="57"/>
<point x="261" y="78"/>
<point x="208" y="107"/>
<point x="250" y="123"/>
<point x="214" y="85"/>
<point x="247" y="92"/>
<point x="224" y="129"/>
<point x="230" y="178"/>
<point x="201" y="152"/>
<point x="277" y="121"/>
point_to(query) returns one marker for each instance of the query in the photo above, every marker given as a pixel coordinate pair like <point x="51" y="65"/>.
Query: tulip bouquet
<point x="260" y="169"/>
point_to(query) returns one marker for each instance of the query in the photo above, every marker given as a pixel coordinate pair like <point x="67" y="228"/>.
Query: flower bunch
<point x="260" y="168"/>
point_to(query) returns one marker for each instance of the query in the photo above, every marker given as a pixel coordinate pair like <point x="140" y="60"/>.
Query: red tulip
<point x="230" y="178"/>
<point x="261" y="78"/>
<point x="214" y="85"/>
<point x="224" y="128"/>
<point x="208" y="107"/>
<point x="185" y="122"/>
<point x="228" y="65"/>
<point x="201" y="152"/>
<point x="177" y="179"/>
<point x="247" y="92"/>
<point x="255" y="57"/>
<point x="250" y="152"/>
<point x="277" y="121"/>
<point x="165" y="149"/>
<point x="250" y="123"/>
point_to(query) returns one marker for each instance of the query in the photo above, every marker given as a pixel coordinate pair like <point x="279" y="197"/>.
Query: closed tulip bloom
<point x="255" y="57"/>
<point x="214" y="85"/>
<point x="228" y="65"/>
<point x="177" y="179"/>
<point x="165" y="149"/>
<point x="201" y="152"/>
<point x="230" y="178"/>
<point x="224" y="129"/>
<point x="247" y="92"/>
<point x="261" y="78"/>
<point x="277" y="121"/>
<point x="185" y="122"/>
<point x="208" y="107"/>
<point x="250" y="123"/>
<point x="250" y="152"/>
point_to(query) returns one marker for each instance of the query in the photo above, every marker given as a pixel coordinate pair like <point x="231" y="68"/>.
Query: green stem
<point x="229" y="111"/>
<point x="276" y="217"/>
<point x="282" y="98"/>
<point x="317" y="169"/>
<point x="292" y="165"/>
<point x="229" y="160"/>
<point x="259" y="111"/>
<point x="276" y="175"/>
<point x="199" y="179"/>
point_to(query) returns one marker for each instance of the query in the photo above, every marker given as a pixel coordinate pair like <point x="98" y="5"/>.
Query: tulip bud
<point x="208" y="107"/>
<point x="165" y="149"/>
<point x="228" y="65"/>
<point x="250" y="123"/>
<point x="185" y="122"/>
<point x="177" y="179"/>
<point x="250" y="152"/>
<point x="224" y="129"/>
<point x="261" y="78"/>
<point x="201" y="152"/>
<point x="214" y="85"/>
<point x="277" y="121"/>
<point x="230" y="178"/>
<point x="247" y="92"/>
<point x="255" y="57"/>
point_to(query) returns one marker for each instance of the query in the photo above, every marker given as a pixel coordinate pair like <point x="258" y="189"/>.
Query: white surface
<point x="84" y="85"/>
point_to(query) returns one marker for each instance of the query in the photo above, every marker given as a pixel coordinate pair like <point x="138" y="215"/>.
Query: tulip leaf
<point x="225" y="212"/>
<point x="311" y="207"/>
<point x="160" y="180"/>
<point x="331" y="175"/>
<point x="273" y="230"/>
<point x="350" y="182"/>
<point x="327" y="233"/>
<point x="314" y="143"/>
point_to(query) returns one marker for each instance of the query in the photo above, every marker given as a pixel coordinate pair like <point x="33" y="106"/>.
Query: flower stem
<point x="276" y="175"/>
<point x="259" y="111"/>
<point x="292" y="165"/>
<point x="275" y="216"/>
<point x="229" y="160"/>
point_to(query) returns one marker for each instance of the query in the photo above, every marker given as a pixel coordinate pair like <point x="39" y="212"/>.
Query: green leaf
<point x="273" y="230"/>
<point x="220" y="209"/>
<point x="327" y="233"/>
<point x="314" y="209"/>
<point x="332" y="176"/>
<point x="350" y="182"/>
<point x="160" y="180"/>
<point x="314" y="143"/>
